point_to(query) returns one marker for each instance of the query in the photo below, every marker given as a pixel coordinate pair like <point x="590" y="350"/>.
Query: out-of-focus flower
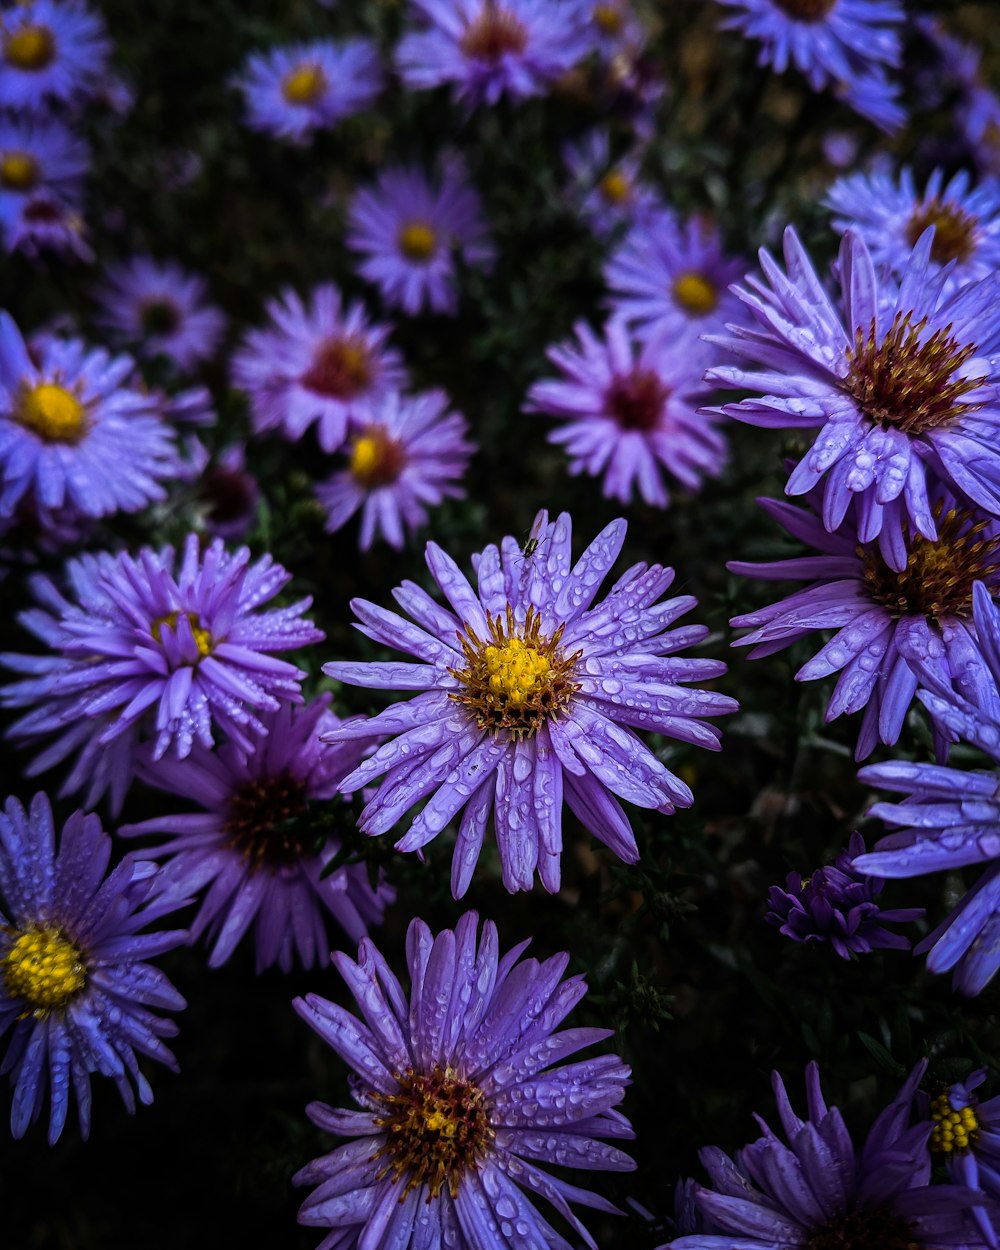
<point x="38" y="154"/>
<point x="489" y="48"/>
<point x="903" y="385"/>
<point x="253" y="850"/>
<point x="229" y="494"/>
<point x="51" y="51"/>
<point x="837" y="904"/>
<point x="609" y="193"/>
<point x="290" y="92"/>
<point x="844" y="44"/>
<point x="141" y="650"/>
<point x="891" y="215"/>
<point x="528" y="695"/>
<point x="409" y="229"/>
<point x="628" y="410"/>
<point x="407" y="454"/>
<point x="315" y="362"/>
<point x="74" y="434"/>
<point x="44" y="222"/>
<point x="159" y="308"/>
<point x="885" y="621"/>
<point x="464" y="1099"/>
<point x="76" y="993"/>
<point x="820" y="1191"/>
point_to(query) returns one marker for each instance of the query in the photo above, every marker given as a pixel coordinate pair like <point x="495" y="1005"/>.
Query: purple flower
<point x="141" y="650"/>
<point x="252" y="847"/>
<point x="489" y="48"/>
<point x="45" y="222"/>
<point x="609" y="192"/>
<point x="838" y="905"/>
<point x="290" y="92"/>
<point x="409" y="228"/>
<point x="614" y="27"/>
<point x="229" y="494"/>
<point x="76" y="993"/>
<point x="626" y="410"/>
<point x="73" y="434"/>
<point x="885" y="621"/>
<point x="35" y="155"/>
<point x="463" y="1097"/>
<point x="951" y="819"/>
<point x="51" y="51"/>
<point x="407" y="454"/>
<point x="890" y="215"/>
<point x="672" y="279"/>
<point x="529" y="695"/>
<point x="819" y="1190"/>
<point x="844" y="44"/>
<point x="160" y="307"/>
<point x="316" y="361"/>
<point x="967" y="1134"/>
<point x="903" y="383"/>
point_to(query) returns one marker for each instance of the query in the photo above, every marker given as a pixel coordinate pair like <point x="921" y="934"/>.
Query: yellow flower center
<point x="608" y="19"/>
<point x="954" y="1128"/>
<point x="202" y="637"/>
<point x="493" y="34"/>
<point x="376" y="459"/>
<point x="45" y="968"/>
<point x="615" y="187"/>
<point x="954" y="230"/>
<point x="340" y="369"/>
<point x="695" y="294"/>
<point x="18" y="171"/>
<point x="304" y="85"/>
<point x="517" y="679"/>
<point x="418" y="241"/>
<point x="30" y="48"/>
<point x="437" y="1126"/>
<point x="52" y="412"/>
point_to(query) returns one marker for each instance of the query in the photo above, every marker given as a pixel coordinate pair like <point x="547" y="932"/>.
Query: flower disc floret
<point x="30" y="48"/>
<point x="52" y="412"/>
<point x="304" y="84"/>
<point x="44" y="968"/>
<point x="955" y="1128"/>
<point x="418" y="241"/>
<point x="341" y="368"/>
<point x="19" y="171"/>
<point x="954" y="230"/>
<point x="493" y="33"/>
<point x="696" y="293"/>
<point x="263" y="823"/>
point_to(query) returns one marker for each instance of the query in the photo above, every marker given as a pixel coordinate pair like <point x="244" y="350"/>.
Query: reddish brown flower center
<point x="493" y="33"/>
<point x="636" y="400"/>
<point x="437" y="1126"/>
<point x="264" y="823"/>
<point x="806" y="10"/>
<point x="866" y="1229"/>
<point x="954" y="230"/>
<point x="340" y="369"/>
<point x="159" y="316"/>
<point x="910" y="380"/>
<point x="227" y="495"/>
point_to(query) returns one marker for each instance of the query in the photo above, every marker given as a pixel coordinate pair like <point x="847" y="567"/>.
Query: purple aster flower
<point x="840" y="906"/>
<point x="489" y="48"/>
<point x="528" y="695"/>
<point x="464" y="1099"/>
<point x="844" y="44"/>
<point x="408" y="454"/>
<point x="252" y="847"/>
<point x="673" y="280"/>
<point x="316" y="361"/>
<point x="628" y="409"/>
<point x="44" y="222"/>
<point x="905" y="381"/>
<point x="890" y="216"/>
<point x="950" y="819"/>
<point x="160" y="308"/>
<point x="614" y="27"/>
<point x="51" y="51"/>
<point x="885" y="621"/>
<point x="73" y="433"/>
<point x="409" y="228"/>
<point x="228" y="494"/>
<point x="76" y="993"/>
<point x="38" y="154"/>
<point x="966" y="1134"/>
<point x="141" y="650"/>
<point x="290" y="92"/>
<point x="608" y="192"/>
<point x="820" y="1191"/>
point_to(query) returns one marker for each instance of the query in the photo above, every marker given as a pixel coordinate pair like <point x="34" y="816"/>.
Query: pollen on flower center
<point x="304" y="85"/>
<point x="636" y="400"/>
<point x="44" y="967"/>
<point x="418" y="241"/>
<point x="695" y="293"/>
<point x="202" y="637"/>
<point x="30" y="48"/>
<point x="264" y="823"/>
<point x="18" y="171"/>
<point x="866" y="1228"/>
<point x="607" y="18"/>
<point x="52" y="412"/>
<point x="437" y="1126"/>
<point x="494" y="33"/>
<point x="376" y="459"/>
<point x="909" y="381"/>
<point x="954" y="230"/>
<point x="939" y="573"/>
<point x="615" y="187"/>
<point x="954" y="1128"/>
<point x="340" y="369"/>
<point x="516" y="680"/>
<point x="806" y="10"/>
